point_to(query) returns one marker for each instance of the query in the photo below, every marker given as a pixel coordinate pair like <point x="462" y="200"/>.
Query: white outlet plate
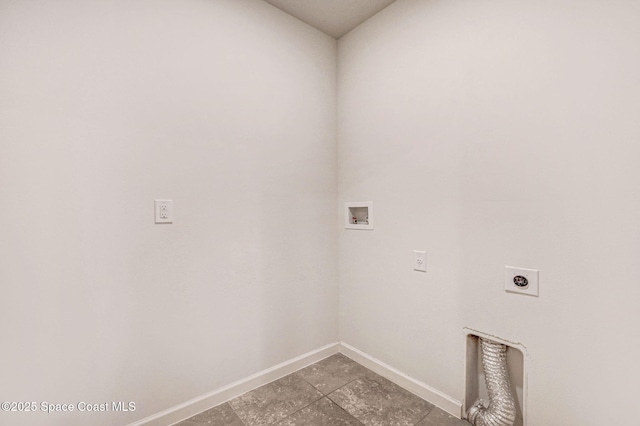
<point x="531" y="275"/>
<point x="164" y="211"/>
<point x="420" y="260"/>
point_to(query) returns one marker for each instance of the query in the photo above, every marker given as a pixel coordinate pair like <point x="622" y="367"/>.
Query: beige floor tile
<point x="321" y="413"/>
<point x="275" y="401"/>
<point x="222" y="415"/>
<point x="380" y="402"/>
<point x="438" y="417"/>
<point x="333" y="372"/>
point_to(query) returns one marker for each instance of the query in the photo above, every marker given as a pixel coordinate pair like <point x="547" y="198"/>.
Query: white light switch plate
<point x="420" y="260"/>
<point x="164" y="211"/>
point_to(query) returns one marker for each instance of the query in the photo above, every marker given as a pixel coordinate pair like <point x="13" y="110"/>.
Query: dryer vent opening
<point x="495" y="381"/>
<point x="501" y="408"/>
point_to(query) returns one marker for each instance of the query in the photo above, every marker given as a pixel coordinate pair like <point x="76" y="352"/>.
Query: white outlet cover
<point x="530" y="275"/>
<point x="164" y="211"/>
<point x="420" y="260"/>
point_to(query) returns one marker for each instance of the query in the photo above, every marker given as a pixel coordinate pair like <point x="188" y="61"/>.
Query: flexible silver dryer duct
<point x="502" y="407"/>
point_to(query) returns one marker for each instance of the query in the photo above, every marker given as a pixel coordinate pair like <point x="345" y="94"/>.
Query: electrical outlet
<point x="521" y="280"/>
<point x="420" y="260"/>
<point x="164" y="211"/>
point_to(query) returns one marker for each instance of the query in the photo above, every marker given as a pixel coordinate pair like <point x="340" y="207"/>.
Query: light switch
<point x="420" y="260"/>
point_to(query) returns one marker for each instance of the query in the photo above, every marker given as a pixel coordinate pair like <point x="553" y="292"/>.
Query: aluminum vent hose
<point x="502" y="408"/>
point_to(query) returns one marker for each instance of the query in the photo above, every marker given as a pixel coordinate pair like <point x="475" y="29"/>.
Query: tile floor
<point x="333" y="392"/>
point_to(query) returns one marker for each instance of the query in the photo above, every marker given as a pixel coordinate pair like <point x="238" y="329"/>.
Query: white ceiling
<point x="334" y="17"/>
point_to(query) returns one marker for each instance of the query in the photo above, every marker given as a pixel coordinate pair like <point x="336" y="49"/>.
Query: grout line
<point x="348" y="413"/>
<point x="234" y="411"/>
<point x="427" y="415"/>
<point x="301" y="408"/>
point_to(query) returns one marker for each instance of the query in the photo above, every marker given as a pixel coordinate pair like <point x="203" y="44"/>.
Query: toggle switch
<point x="420" y="260"/>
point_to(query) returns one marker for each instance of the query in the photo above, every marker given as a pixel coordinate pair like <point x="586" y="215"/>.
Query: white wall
<point x="493" y="133"/>
<point x="228" y="108"/>
<point x="487" y="133"/>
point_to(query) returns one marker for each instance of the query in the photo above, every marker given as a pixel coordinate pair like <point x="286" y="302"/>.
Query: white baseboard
<point x="424" y="391"/>
<point x="204" y="402"/>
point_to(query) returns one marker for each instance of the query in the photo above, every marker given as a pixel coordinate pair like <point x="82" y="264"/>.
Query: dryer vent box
<point x="475" y="388"/>
<point x="358" y="215"/>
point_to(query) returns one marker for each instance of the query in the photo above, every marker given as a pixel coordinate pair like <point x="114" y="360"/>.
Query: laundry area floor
<point x="336" y="391"/>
